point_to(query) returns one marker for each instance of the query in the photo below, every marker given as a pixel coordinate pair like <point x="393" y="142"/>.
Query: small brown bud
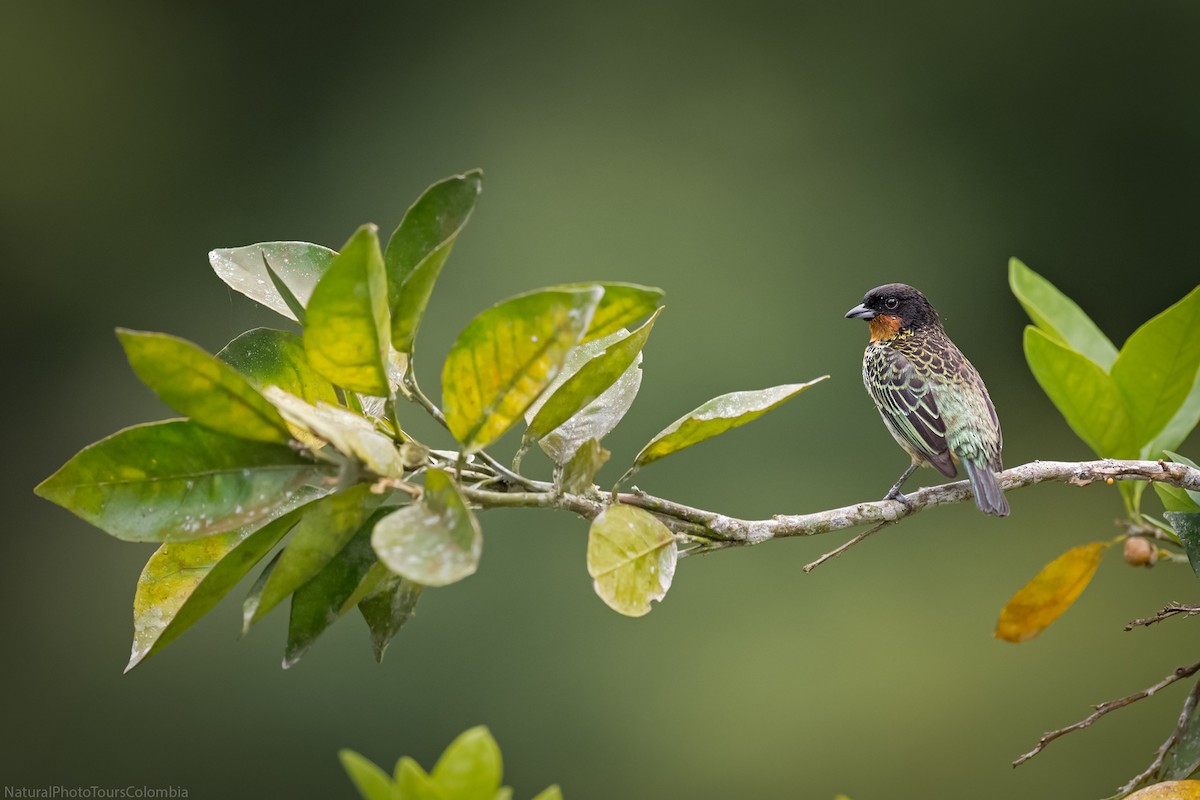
<point x="1139" y="552"/>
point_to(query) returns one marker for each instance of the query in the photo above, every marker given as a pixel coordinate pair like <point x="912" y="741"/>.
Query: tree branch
<point x="1110" y="706"/>
<point x="712" y="529"/>
<point x="1170" y="611"/>
<point x="1160" y="755"/>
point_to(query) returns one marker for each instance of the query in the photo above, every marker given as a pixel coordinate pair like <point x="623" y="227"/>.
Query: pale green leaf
<point x="299" y="265"/>
<point x="371" y="781"/>
<point x="549" y="793"/>
<point x="471" y="767"/>
<point x="436" y="540"/>
<point x="1181" y="459"/>
<point x="202" y="387"/>
<point x="413" y="783"/>
<point x="1084" y="394"/>
<point x="588" y="382"/>
<point x="1157" y="367"/>
<point x="178" y="480"/>
<point x="1180" y="426"/>
<point x="346" y="333"/>
<point x="717" y="416"/>
<point x="1058" y="316"/>
<point x="579" y="473"/>
<point x="350" y="434"/>
<point x="419" y="247"/>
<point x="631" y="557"/>
<point x="598" y="418"/>
<point x="506" y="357"/>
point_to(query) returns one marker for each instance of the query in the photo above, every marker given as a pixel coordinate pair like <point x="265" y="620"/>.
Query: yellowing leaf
<point x="346" y="331"/>
<point x="507" y="356"/>
<point x="202" y="387"/>
<point x="1050" y="593"/>
<point x="349" y="433"/>
<point x="631" y="556"/>
<point x="1168" y="790"/>
<point x="715" y="417"/>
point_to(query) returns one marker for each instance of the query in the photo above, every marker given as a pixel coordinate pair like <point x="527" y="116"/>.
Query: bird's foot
<point x="901" y="497"/>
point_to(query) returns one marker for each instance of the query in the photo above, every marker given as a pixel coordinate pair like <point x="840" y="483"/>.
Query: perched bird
<point x="930" y="397"/>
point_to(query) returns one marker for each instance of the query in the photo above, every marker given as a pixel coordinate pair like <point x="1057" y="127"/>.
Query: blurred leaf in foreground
<point x="1050" y="593"/>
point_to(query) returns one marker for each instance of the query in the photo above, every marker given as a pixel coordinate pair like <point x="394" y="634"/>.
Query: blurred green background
<point x="765" y="163"/>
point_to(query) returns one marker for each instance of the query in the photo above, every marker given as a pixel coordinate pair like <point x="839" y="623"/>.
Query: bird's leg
<point x="894" y="493"/>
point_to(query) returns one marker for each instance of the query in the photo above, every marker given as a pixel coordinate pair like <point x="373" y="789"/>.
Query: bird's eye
<point x="891" y="303"/>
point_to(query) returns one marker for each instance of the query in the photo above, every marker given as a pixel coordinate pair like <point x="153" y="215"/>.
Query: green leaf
<point x="1180" y="459"/>
<point x="419" y="247"/>
<point x="717" y="416"/>
<point x="1183" y="759"/>
<point x="1157" y="367"/>
<point x="1057" y="315"/>
<point x="1084" y="394"/>
<point x="324" y="529"/>
<point x="387" y="609"/>
<point x="346" y="334"/>
<point x="268" y="357"/>
<point x="435" y="541"/>
<point x="1187" y="528"/>
<point x="200" y="386"/>
<point x="598" y="418"/>
<point x="550" y="793"/>
<point x="178" y="480"/>
<point x="471" y="767"/>
<point x="298" y="264"/>
<point x="631" y="557"/>
<point x="183" y="581"/>
<point x="326" y="596"/>
<point x="1175" y="499"/>
<point x="622" y="305"/>
<point x="1180" y="426"/>
<point x="579" y="473"/>
<point x="589" y="382"/>
<point x="371" y="781"/>
<point x="506" y="357"/>
<point x="350" y="434"/>
<point x="413" y="783"/>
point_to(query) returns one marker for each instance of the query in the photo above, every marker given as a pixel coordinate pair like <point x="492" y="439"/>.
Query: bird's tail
<point x="988" y="494"/>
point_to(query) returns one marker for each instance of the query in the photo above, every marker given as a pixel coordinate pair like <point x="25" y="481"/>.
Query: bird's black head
<point x="894" y="307"/>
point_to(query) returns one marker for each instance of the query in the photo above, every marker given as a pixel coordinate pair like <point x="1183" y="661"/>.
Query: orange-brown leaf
<point x="1050" y="593"/>
<point x="1169" y="790"/>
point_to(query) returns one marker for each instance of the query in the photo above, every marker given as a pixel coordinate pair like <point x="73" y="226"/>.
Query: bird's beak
<point x="861" y="312"/>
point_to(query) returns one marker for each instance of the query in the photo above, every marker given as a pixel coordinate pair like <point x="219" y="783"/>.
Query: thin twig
<point x="1160" y="755"/>
<point x="1170" y="611"/>
<point x="837" y="551"/>
<point x="1106" y="708"/>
